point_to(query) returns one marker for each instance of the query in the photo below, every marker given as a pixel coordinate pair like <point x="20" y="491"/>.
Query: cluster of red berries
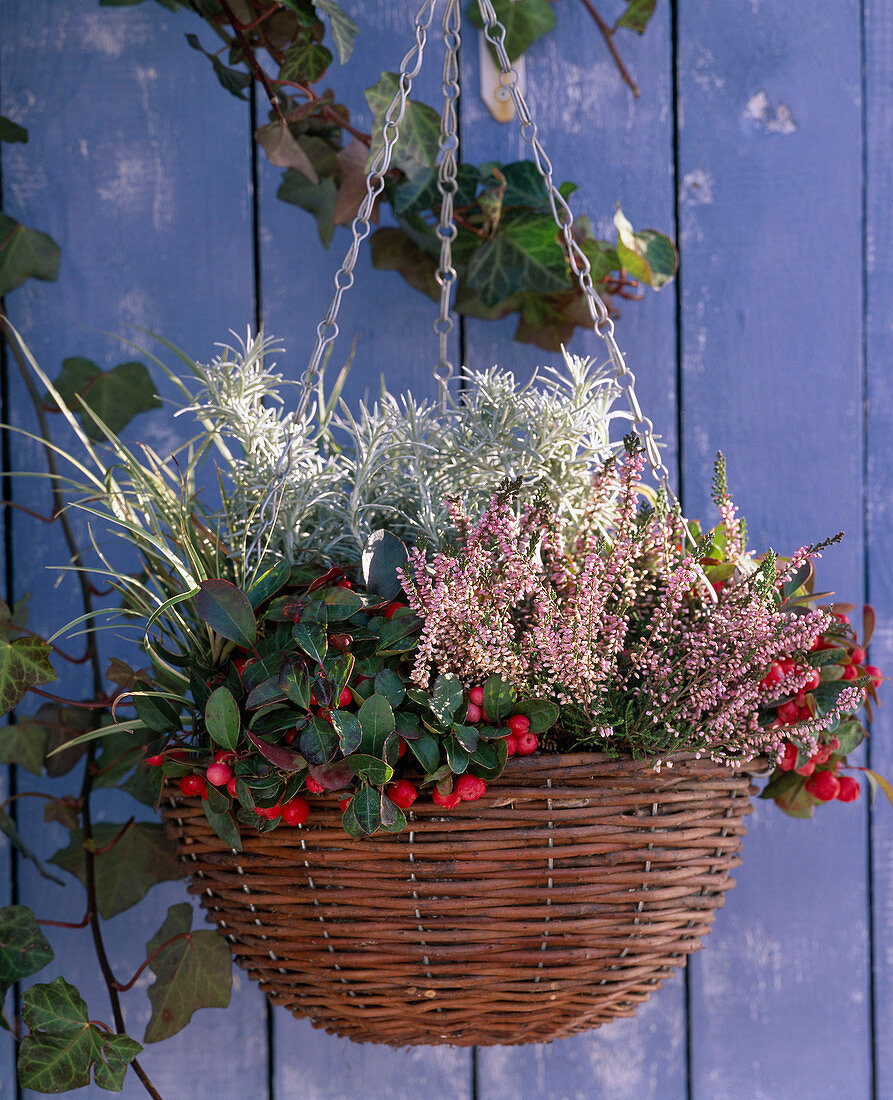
<point x="520" y="740"/>
<point x="823" y="783"/>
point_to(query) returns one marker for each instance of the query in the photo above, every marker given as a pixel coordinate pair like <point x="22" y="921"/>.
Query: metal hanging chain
<point x="494" y="32"/>
<point x="327" y="329"/>
<point x="447" y="186"/>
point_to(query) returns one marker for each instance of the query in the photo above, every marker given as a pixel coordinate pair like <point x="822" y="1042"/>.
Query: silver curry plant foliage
<point x="322" y="483"/>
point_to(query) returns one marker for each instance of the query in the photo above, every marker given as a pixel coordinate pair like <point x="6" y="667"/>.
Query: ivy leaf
<point x="191" y="973"/>
<point x="648" y="256"/>
<point x="126" y="871"/>
<point x="24" y="663"/>
<point x="344" y="30"/>
<point x="116" y="396"/>
<point x="234" y="81"/>
<point x="23" y="947"/>
<point x="63" y="1046"/>
<point x="392" y="250"/>
<point x="524" y="20"/>
<point x="524" y="255"/>
<point x="305" y="61"/>
<point x="283" y="149"/>
<point x="11" y="131"/>
<point x="24" y="744"/>
<point x="637" y="15"/>
<point x="25" y="254"/>
<point x="318" y="199"/>
<point x="227" y="611"/>
<point x="549" y="320"/>
<point x="417" y="145"/>
<point x="351" y="161"/>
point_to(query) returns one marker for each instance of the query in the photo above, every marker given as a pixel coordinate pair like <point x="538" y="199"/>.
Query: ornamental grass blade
<point x="193" y="972"/>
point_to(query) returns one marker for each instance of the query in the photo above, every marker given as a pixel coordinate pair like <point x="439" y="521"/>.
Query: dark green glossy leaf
<point x="294" y="680"/>
<point x="457" y="757"/>
<point x="227" y="611"/>
<point x="334" y="777"/>
<point x="524" y="255"/>
<point x="350" y="732"/>
<point x="224" y="826"/>
<point x="851" y="734"/>
<point x="467" y="736"/>
<point x="383" y="555"/>
<point x="488" y="759"/>
<point x="191" y="973"/>
<point x="377" y="719"/>
<point x="389" y="684"/>
<point x="426" y="749"/>
<point x="312" y="639"/>
<point x="156" y="712"/>
<point x="371" y="768"/>
<point x="23" y="947"/>
<point x="447" y="697"/>
<point x="342" y="603"/>
<point x="541" y="713"/>
<point x="116" y="396"/>
<point x="366" y="807"/>
<point x="222" y="718"/>
<point x="126" y="871"/>
<point x="319" y="742"/>
<point x="826" y="695"/>
<point x="25" y="254"/>
<point x="267" y="692"/>
<point x="268" y="583"/>
<point x="499" y="698"/>
<point x="393" y="819"/>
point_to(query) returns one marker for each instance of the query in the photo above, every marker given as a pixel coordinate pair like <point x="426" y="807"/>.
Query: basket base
<point x="558" y="902"/>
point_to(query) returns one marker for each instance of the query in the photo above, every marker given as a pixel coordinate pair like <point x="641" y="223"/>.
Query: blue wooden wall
<point x="761" y="140"/>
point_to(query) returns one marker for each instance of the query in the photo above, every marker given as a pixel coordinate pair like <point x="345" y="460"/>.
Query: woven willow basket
<point x="556" y="903"/>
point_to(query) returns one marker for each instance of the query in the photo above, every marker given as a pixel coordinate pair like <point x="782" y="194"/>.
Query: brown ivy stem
<point x="67" y="923"/>
<point x="151" y="958"/>
<point x="28" y="511"/>
<point x="262" y="18"/>
<point x="83" y="704"/>
<point x="87" y="782"/>
<point x="28" y="794"/>
<point x="326" y="110"/>
<point x="608" y="34"/>
<point x="251" y="61"/>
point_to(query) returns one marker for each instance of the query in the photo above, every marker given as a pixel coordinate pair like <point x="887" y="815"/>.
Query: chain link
<point x="447" y="185"/>
<point x="327" y="329"/>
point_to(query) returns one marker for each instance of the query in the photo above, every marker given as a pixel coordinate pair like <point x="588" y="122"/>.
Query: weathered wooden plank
<point x="879" y="410"/>
<point x="137" y="165"/>
<point x="7" y="1046"/>
<point x="617" y="149"/>
<point x="770" y="191"/>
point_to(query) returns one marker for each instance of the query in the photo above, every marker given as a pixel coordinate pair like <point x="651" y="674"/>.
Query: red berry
<point x="804" y="714"/>
<point x="391" y="610"/>
<point x="518" y="724"/>
<point x="511" y="745"/>
<point x="806" y="769"/>
<point x="344" y="583"/>
<point x="476" y="695"/>
<point x="849" y="789"/>
<point x="241" y="663"/>
<point x="474" y="714"/>
<point x="851" y="672"/>
<point x="192" y="785"/>
<point x="401" y="748"/>
<point x="313" y="787"/>
<point x="527" y="743"/>
<point x="789" y="713"/>
<point x="786" y="665"/>
<point x="876" y="675"/>
<point x="773" y="676"/>
<point x="295" y="810"/>
<point x="813" y="681"/>
<point x="345" y="698"/>
<point x="290" y="735"/>
<point x="155" y="761"/>
<point x="446" y="801"/>
<point x="269" y="812"/>
<point x="219" y="775"/>
<point x="841" y="618"/>
<point x="822" y="754"/>
<point x="344" y="803"/>
<point x="222" y="756"/>
<point x="231" y="788"/>
<point x="788" y="758"/>
<point x="469" y="788"/>
<point x="402" y="793"/>
<point x="823" y="786"/>
<point x="857" y="656"/>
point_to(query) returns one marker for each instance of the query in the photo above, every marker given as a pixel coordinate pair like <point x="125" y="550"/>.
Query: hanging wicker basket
<point x="557" y="902"/>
